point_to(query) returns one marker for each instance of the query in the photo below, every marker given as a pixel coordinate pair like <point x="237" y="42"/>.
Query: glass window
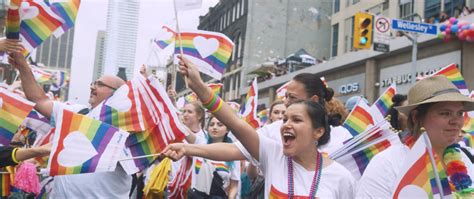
<point x="432" y="9"/>
<point x="337" y="3"/>
<point x="335" y="40"/>
<point x="348" y="34"/>
<point x="406" y="9"/>
<point x="234" y="10"/>
<point x="242" y="9"/>
<point x="238" y="10"/>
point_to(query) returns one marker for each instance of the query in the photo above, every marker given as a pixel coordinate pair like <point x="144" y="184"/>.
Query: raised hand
<point x="188" y="69"/>
<point x="17" y="60"/>
<point x="10" y="45"/>
<point x="174" y="151"/>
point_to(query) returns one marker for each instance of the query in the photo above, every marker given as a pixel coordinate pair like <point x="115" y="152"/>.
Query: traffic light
<point x="363" y="30"/>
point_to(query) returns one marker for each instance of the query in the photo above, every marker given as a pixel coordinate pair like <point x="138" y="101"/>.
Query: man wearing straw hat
<point x="91" y="185"/>
<point x="436" y="106"/>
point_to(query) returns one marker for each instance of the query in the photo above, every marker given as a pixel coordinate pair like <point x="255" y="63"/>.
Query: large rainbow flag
<point x="248" y="110"/>
<point x="84" y="145"/>
<point x="13" y="110"/>
<point x="384" y="102"/>
<point x="359" y="119"/>
<point x="210" y="51"/>
<point x="417" y="175"/>
<point x="452" y="72"/>
<point x="165" y="39"/>
<point x="38" y="23"/>
<point x="67" y="11"/>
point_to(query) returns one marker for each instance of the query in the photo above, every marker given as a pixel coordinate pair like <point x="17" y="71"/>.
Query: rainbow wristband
<point x="209" y="100"/>
<point x="215" y="104"/>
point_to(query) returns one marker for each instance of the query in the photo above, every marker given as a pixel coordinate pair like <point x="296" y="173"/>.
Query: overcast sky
<point x="92" y="18"/>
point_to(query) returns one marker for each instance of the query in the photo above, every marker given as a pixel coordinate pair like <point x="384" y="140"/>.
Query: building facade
<point x="56" y="53"/>
<point x="99" y="59"/>
<point x="121" y="36"/>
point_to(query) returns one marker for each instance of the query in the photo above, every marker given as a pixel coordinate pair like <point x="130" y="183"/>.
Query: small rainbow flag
<point x="359" y="119"/>
<point x="190" y="98"/>
<point x="4" y="184"/>
<point x="67" y="11"/>
<point x="454" y="75"/>
<point x="418" y="171"/>
<point x="248" y="110"/>
<point x="12" y="24"/>
<point x="84" y="145"/>
<point x="210" y="51"/>
<point x="13" y="110"/>
<point x="61" y="77"/>
<point x="165" y="42"/>
<point x="468" y="140"/>
<point x="363" y="157"/>
<point x="469" y="119"/>
<point x="384" y="102"/>
<point x="221" y="167"/>
<point x="197" y="165"/>
<point x="37" y="26"/>
<point x="263" y="116"/>
<point x="216" y="88"/>
<point x="41" y="75"/>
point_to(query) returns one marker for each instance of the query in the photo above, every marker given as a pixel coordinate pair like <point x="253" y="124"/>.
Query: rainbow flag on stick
<point x="210" y="51"/>
<point x="454" y="75"/>
<point x="84" y="145"/>
<point x="418" y="179"/>
<point x="41" y="75"/>
<point x="359" y="119"/>
<point x="384" y="102"/>
<point x="248" y="109"/>
<point x="13" y="110"/>
<point x="12" y="24"/>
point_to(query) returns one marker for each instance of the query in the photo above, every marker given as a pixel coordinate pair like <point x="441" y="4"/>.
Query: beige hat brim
<point x="447" y="97"/>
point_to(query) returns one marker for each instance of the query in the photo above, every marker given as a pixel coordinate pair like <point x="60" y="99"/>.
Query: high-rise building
<point x="121" y="36"/>
<point x="56" y="53"/>
<point x="99" y="60"/>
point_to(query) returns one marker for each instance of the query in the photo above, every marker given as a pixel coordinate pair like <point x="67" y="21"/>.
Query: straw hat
<point x="434" y="89"/>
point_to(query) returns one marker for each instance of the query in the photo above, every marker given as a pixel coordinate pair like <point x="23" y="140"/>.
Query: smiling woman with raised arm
<point x="294" y="168"/>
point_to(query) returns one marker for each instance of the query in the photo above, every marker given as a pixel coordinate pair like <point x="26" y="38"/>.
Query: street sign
<point x="409" y="26"/>
<point x="382" y="34"/>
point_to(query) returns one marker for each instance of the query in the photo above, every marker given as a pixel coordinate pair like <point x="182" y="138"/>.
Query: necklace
<point x="316" y="177"/>
<point x="456" y="169"/>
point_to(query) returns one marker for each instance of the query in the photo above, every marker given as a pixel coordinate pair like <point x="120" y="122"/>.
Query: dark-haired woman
<point x="228" y="171"/>
<point x="398" y="120"/>
<point x="293" y="168"/>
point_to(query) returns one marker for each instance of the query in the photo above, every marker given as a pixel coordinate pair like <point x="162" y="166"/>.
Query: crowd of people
<point x="288" y="157"/>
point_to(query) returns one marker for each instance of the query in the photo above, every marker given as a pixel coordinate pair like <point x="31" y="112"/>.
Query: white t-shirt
<point x="227" y="172"/>
<point x="115" y="184"/>
<point x="339" y="134"/>
<point x="336" y="181"/>
<point x="380" y="176"/>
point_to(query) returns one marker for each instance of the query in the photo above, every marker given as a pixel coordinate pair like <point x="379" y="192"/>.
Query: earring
<point x="316" y="142"/>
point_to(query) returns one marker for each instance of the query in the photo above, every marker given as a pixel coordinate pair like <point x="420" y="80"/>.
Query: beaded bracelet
<point x="215" y="104"/>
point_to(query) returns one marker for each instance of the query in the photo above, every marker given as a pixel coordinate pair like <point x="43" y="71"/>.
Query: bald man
<point x="91" y="185"/>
